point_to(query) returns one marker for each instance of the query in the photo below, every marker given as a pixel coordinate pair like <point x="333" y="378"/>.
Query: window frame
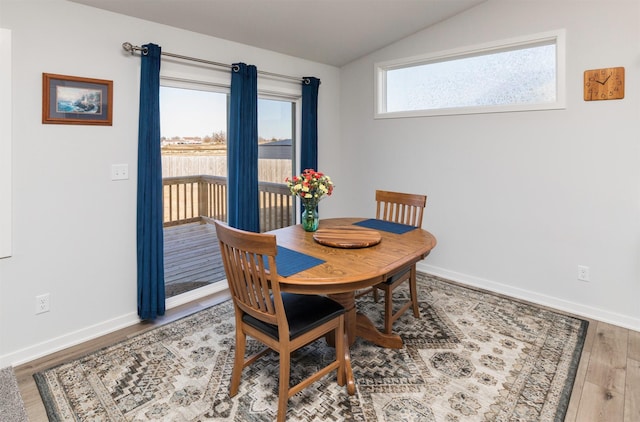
<point x="557" y="37"/>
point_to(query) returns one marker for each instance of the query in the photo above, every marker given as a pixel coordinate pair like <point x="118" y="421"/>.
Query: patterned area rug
<point x="472" y="356"/>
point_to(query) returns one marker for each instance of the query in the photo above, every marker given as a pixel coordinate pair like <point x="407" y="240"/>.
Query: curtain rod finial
<point x="128" y="47"/>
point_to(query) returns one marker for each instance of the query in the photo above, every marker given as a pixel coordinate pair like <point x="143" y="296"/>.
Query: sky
<point x="190" y="113"/>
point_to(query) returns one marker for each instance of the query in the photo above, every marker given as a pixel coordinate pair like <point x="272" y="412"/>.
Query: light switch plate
<point x="119" y="171"/>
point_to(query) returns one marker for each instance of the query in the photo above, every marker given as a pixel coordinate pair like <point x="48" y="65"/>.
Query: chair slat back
<point x="403" y="208"/>
<point x="254" y="288"/>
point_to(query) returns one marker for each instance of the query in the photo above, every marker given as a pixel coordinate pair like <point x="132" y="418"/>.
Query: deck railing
<point x="191" y="199"/>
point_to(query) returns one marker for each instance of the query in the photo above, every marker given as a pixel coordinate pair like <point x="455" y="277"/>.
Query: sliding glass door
<point x="194" y="170"/>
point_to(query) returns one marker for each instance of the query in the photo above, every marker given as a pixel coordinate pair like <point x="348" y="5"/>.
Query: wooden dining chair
<point x="283" y="322"/>
<point x="403" y="208"/>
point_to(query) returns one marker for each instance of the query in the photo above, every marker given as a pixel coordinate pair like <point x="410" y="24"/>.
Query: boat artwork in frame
<point x="72" y="100"/>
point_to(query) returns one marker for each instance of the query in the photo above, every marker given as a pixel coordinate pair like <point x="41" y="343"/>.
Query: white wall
<point x="74" y="228"/>
<point x="518" y="200"/>
<point x="5" y="143"/>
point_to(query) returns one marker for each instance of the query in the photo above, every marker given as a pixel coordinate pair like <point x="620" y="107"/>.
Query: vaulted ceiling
<point x="333" y="32"/>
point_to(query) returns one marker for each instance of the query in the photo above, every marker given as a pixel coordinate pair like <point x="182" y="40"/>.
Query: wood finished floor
<point x="606" y="389"/>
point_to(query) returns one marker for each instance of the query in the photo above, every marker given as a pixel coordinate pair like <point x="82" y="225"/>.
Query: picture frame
<point x="73" y="100"/>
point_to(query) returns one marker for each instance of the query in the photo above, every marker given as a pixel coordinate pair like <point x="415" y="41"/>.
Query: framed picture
<point x="71" y="100"/>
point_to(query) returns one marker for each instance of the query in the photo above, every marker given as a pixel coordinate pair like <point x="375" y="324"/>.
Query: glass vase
<point x="310" y="219"/>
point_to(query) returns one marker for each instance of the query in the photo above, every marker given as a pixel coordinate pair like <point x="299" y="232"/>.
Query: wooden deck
<point x="191" y="257"/>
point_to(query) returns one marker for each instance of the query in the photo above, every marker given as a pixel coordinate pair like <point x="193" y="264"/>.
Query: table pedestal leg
<point x="349" y="378"/>
<point x="358" y="325"/>
<point x="347" y="300"/>
<point x="366" y="330"/>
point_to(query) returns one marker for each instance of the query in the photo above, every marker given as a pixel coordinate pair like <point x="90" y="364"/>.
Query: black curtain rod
<point x="127" y="46"/>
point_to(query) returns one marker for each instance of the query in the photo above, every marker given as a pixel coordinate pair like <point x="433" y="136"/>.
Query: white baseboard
<point x="74" y="338"/>
<point x="577" y="309"/>
<point x="28" y="354"/>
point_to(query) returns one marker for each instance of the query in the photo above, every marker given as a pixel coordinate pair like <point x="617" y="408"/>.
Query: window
<point x="523" y="74"/>
<point x="193" y="125"/>
<point x="194" y="134"/>
<point x="276" y="149"/>
<point x="275" y="139"/>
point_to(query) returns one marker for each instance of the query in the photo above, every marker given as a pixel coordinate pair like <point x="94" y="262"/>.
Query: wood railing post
<point x="203" y="198"/>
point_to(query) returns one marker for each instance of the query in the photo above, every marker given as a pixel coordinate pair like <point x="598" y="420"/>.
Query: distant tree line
<point x="217" y="138"/>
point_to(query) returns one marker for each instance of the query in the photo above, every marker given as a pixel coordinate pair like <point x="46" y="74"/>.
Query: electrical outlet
<point x="42" y="303"/>
<point x="583" y="273"/>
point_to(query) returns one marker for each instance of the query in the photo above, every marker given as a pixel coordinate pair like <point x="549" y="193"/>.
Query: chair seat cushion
<point x="304" y="313"/>
<point x="397" y="276"/>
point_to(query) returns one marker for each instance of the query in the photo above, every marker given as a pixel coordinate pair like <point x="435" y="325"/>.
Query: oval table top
<point x="347" y="270"/>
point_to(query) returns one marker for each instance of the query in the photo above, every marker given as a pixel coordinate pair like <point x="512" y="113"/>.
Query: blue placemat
<point x="385" y="226"/>
<point x="290" y="262"/>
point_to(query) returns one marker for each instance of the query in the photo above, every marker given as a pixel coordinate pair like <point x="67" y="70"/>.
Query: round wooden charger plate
<point x="347" y="237"/>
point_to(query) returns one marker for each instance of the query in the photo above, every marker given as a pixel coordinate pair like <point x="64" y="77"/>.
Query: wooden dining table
<point x="348" y="267"/>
